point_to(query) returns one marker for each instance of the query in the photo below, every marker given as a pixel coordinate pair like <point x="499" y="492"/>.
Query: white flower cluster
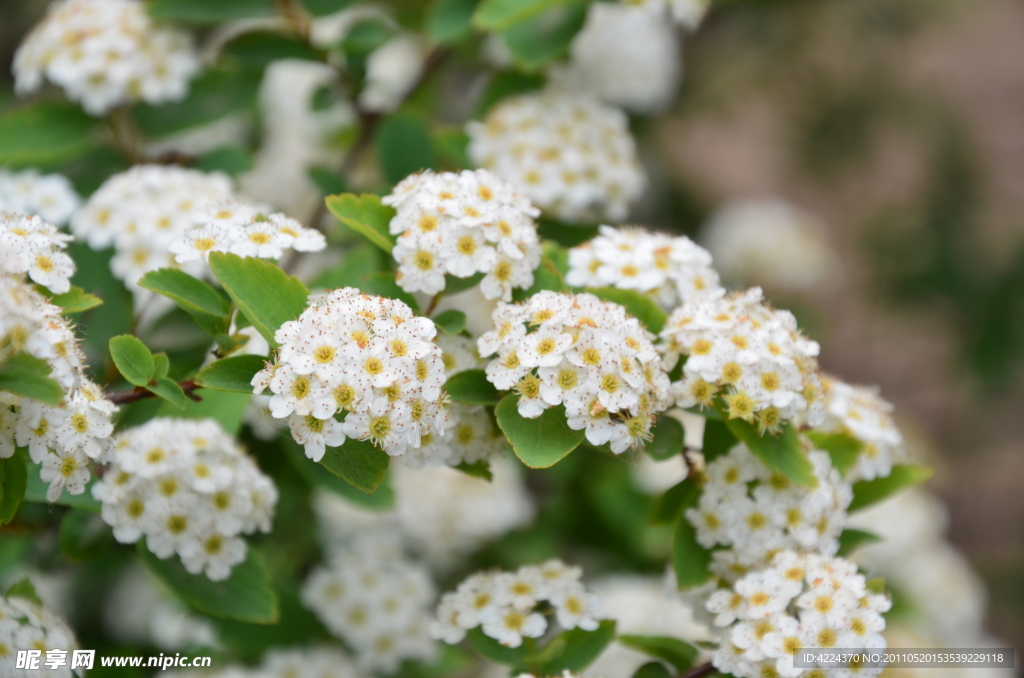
<point x="860" y="412"/>
<point x="470" y="434"/>
<point x="376" y="600"/>
<point x="105" y="53"/>
<point x="800" y="601"/>
<point x="65" y="438"/>
<point x="364" y="356"/>
<point x="669" y="268"/>
<point x="243" y="229"/>
<point x="769" y="242"/>
<point x="687" y="13"/>
<point x="463" y="224"/>
<point x="616" y="43"/>
<point x="141" y="212"/>
<point x="27" y="625"/>
<point x="583" y="353"/>
<point x="50" y="196"/>
<point x="572" y="156"/>
<point x="35" y="247"/>
<point x="504" y="604"/>
<point x="755" y="512"/>
<point x="751" y="355"/>
<point x="189" y="489"/>
<point x="441" y="514"/>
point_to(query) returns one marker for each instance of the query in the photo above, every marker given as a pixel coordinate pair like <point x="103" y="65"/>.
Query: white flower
<point x="462" y="224"/>
<point x="589" y="355"/>
<point x="860" y="412"/>
<point x="28" y="625"/>
<point x="366" y="358"/>
<point x="509" y="626"/>
<point x="105" y="53"/>
<point x="616" y="44"/>
<point x="190" y="489"/>
<point x="668" y="268"/>
<point x="573" y="157"/>
<point x="34" y="247"/>
<point x="65" y="468"/>
<point x="49" y="196"/>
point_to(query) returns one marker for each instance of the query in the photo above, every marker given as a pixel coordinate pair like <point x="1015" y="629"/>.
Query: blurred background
<point x="897" y="128"/>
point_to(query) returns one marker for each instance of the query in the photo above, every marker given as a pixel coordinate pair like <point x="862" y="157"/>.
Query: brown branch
<point x="700" y="671"/>
<point x="138" y="393"/>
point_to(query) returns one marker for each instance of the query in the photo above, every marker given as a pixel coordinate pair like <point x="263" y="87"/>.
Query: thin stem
<point x="138" y="393"/>
<point x="433" y="304"/>
<point x="698" y="672"/>
<point x="126" y="137"/>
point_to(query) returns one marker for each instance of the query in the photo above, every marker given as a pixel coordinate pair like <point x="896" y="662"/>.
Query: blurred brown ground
<point x="876" y="87"/>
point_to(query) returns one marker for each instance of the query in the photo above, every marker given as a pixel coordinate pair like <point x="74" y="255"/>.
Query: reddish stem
<point x="138" y="393"/>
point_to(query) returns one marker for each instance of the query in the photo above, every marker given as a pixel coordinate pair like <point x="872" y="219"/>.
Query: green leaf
<point x="162" y="365"/>
<point x="496" y="15"/>
<point x="246" y="595"/>
<point x="453" y="285"/>
<point x="232" y="160"/>
<point x="637" y="304"/>
<point x="677" y="653"/>
<point x="718" y="439"/>
<point x="478" y="469"/>
<point x="231" y="374"/>
<point x="24" y="589"/>
<point x="258" y="48"/>
<point x="452" y="149"/>
<point x="133" y="359"/>
<point x="850" y="540"/>
<point x="549" y="652"/>
<point x="383" y="284"/>
<point x="504" y="85"/>
<point x="83" y="535"/>
<point x="669" y="438"/>
<point x="169" y="390"/>
<point x="781" y="453"/>
<point x="842" y="447"/>
<point x="546" y="277"/>
<point x="581" y="649"/>
<point x="327" y="180"/>
<point x="670" y="505"/>
<point x="35" y="491"/>
<point x="449" y="21"/>
<point x="75" y="300"/>
<point x="451" y="321"/>
<point x="540" y="442"/>
<point x="210" y="308"/>
<point x="868" y="492"/>
<point x="213" y="95"/>
<point x="318" y="476"/>
<point x="13" y="481"/>
<point x="539" y="40"/>
<point x="360" y="261"/>
<point x="359" y="462"/>
<point x="46" y="133"/>
<point x="404" y="146"/>
<point x="652" y="670"/>
<point x="489" y="648"/>
<point x="29" y="377"/>
<point x="690" y="560"/>
<point x="206" y="12"/>
<point x="365" y="215"/>
<point x="267" y="296"/>
<point x="471" y="387"/>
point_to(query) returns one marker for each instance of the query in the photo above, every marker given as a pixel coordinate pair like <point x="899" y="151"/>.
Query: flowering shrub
<point x="333" y="328"/>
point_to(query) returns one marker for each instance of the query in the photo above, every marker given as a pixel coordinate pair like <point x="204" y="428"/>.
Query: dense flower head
<point x="584" y="353"/>
<point x="799" y="601"/>
<point x="754" y="511"/>
<point x="860" y="412"/>
<point x="65" y="438"/>
<point x="35" y="248"/>
<point x="50" y="196"/>
<point x="105" y="53"/>
<point x="461" y="224"/>
<point x="749" y="354"/>
<point x="190" y="489"/>
<point x="505" y="604"/>
<point x="616" y="43"/>
<point x="572" y="156"/>
<point x="25" y="624"/>
<point x="687" y="13"/>
<point x="669" y="268"/>
<point x="769" y="242"/>
<point x="376" y="600"/>
<point x="366" y="357"/>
